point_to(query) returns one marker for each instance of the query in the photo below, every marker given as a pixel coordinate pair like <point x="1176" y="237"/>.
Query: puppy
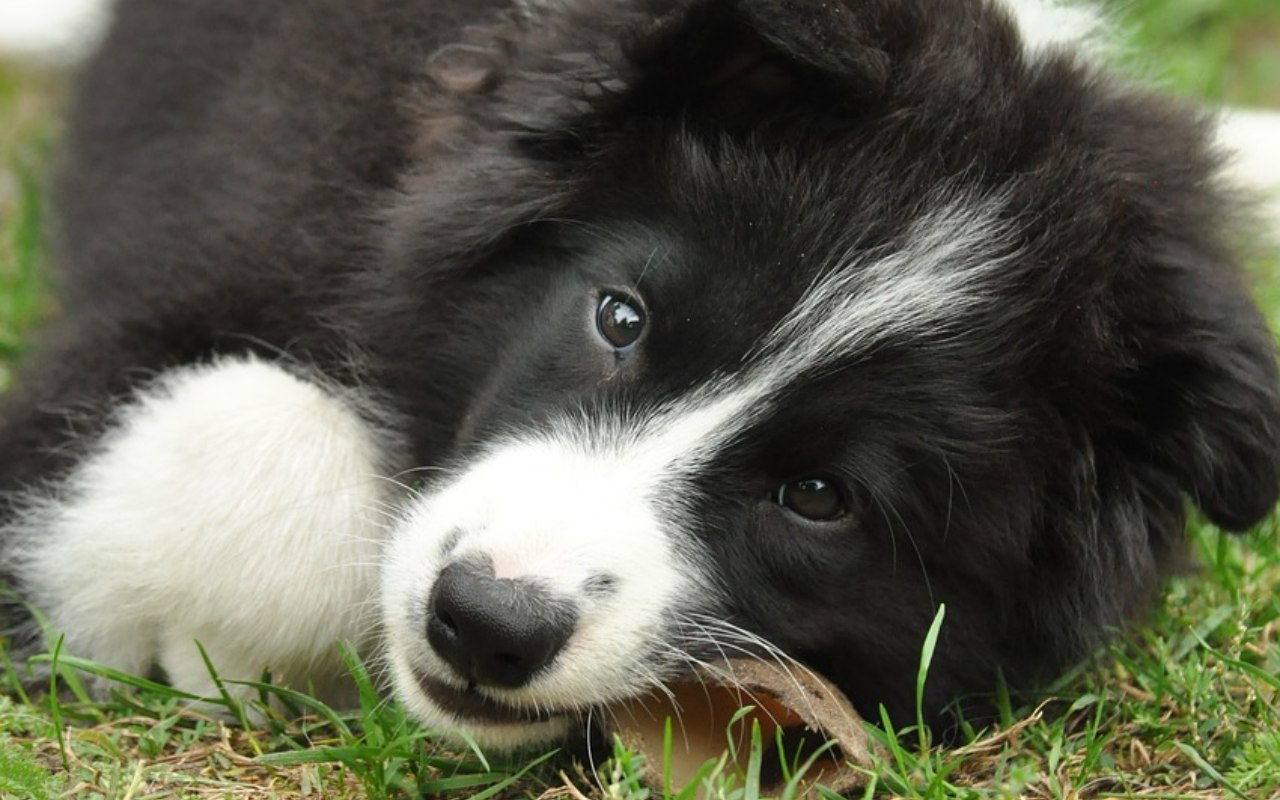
<point x="543" y="350"/>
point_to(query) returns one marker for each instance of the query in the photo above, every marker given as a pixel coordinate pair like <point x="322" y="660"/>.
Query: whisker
<point x="737" y="636"/>
<point x="728" y="676"/>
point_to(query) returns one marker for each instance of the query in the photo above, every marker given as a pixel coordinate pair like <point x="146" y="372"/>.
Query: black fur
<point x="405" y="202"/>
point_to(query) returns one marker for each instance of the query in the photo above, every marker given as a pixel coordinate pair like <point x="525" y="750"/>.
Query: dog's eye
<point x="812" y="498"/>
<point x="620" y="321"/>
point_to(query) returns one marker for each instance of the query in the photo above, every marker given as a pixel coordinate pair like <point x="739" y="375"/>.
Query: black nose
<point x="495" y="632"/>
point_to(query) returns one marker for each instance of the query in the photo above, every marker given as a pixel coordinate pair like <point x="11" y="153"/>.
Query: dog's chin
<point x="467" y="715"/>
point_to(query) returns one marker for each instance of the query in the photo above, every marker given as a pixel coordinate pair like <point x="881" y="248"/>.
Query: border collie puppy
<point x="544" y="350"/>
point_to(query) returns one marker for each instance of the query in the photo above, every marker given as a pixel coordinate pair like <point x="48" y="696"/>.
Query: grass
<point x="26" y="130"/>
<point x="1187" y="707"/>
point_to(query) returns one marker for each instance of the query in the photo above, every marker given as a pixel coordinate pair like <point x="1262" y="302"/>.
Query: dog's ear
<point x="556" y="73"/>
<point x="1210" y="392"/>
<point x="1172" y="333"/>
<point x="732" y="58"/>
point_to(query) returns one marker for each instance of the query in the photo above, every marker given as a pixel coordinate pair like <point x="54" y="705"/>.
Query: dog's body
<point x="546" y="356"/>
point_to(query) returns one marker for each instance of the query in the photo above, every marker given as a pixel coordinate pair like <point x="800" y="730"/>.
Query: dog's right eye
<point x="620" y="321"/>
<point x="815" y="498"/>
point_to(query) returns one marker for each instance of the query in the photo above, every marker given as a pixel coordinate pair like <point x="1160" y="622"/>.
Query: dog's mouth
<point x="470" y="705"/>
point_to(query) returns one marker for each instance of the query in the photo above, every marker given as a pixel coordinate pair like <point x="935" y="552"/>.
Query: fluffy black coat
<point x="379" y="191"/>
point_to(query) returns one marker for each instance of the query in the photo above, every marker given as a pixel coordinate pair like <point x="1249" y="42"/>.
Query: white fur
<point x="612" y="494"/>
<point x="945" y="268"/>
<point x="235" y="505"/>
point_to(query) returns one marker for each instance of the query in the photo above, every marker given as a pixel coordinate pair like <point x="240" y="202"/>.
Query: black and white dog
<point x="545" y="350"/>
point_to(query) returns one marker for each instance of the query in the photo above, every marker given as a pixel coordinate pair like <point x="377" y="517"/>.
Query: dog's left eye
<point x="814" y="498"/>
<point x="620" y="321"/>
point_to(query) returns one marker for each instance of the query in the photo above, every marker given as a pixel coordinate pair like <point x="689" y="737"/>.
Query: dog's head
<point x="776" y="325"/>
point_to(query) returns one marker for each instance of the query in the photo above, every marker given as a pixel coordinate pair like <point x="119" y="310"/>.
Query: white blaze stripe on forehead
<point x="943" y="270"/>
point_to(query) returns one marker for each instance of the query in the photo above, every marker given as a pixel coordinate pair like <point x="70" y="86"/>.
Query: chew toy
<point x="810" y="713"/>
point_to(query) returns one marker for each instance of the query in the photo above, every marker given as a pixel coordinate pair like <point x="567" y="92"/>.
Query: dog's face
<point x="779" y="340"/>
